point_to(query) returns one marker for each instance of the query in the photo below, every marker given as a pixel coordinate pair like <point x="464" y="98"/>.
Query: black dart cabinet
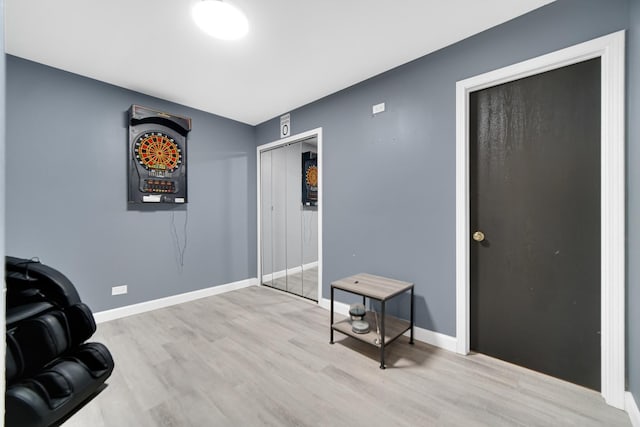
<point x="309" y="179"/>
<point x="157" y="156"/>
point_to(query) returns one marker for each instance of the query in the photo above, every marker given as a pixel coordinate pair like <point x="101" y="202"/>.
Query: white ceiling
<point x="297" y="51"/>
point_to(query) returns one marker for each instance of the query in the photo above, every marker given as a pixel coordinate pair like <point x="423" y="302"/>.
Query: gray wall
<point x="389" y="196"/>
<point x="66" y="193"/>
<point x="633" y="209"/>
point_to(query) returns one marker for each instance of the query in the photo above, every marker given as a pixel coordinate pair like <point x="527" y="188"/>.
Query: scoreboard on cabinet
<point x="157" y="156"/>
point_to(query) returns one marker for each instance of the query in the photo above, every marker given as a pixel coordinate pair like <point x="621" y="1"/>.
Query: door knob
<point x="478" y="236"/>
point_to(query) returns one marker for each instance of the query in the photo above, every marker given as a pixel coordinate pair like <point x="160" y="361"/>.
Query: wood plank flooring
<point x="259" y="357"/>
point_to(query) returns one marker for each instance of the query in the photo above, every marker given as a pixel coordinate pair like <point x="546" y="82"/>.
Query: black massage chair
<point x="50" y="370"/>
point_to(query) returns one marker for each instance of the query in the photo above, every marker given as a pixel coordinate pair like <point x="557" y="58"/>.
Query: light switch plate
<point x="378" y="108"/>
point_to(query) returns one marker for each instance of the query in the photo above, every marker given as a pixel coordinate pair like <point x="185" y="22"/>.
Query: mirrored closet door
<point x="289" y="218"/>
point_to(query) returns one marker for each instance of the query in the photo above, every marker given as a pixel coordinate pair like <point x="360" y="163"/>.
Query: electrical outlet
<point x="378" y="108"/>
<point x="119" y="290"/>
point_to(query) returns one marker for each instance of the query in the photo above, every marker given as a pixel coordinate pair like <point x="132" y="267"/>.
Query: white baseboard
<point x="632" y="409"/>
<point x="435" y="339"/>
<point x="130" y="310"/>
<point x="338" y="307"/>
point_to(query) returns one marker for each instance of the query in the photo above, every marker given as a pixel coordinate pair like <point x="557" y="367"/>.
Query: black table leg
<point x="382" y="336"/>
<point x="331" y="325"/>
<point x="411" y="339"/>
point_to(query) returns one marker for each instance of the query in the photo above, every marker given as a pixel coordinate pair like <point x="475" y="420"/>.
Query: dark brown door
<point x="535" y="194"/>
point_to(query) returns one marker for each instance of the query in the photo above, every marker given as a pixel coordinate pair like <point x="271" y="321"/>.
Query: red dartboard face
<point x="157" y="151"/>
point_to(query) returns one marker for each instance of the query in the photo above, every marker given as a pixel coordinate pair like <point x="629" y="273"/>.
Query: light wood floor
<point x="257" y="357"/>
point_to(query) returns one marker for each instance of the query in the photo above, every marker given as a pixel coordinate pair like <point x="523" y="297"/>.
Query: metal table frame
<point x="376" y="288"/>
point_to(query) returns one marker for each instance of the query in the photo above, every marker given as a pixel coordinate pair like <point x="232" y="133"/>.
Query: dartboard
<point x="158" y="151"/>
<point x="312" y="176"/>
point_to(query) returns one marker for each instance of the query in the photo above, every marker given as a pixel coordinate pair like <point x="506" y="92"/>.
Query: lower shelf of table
<point x="393" y="328"/>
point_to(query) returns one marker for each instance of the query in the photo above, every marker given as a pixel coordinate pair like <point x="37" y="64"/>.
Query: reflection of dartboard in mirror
<point x="312" y="176"/>
<point x="158" y="151"/>
<point x="309" y="178"/>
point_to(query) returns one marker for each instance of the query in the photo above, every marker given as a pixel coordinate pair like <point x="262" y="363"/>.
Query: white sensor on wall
<point x="378" y="108"/>
<point x="119" y="290"/>
<point x="285" y="125"/>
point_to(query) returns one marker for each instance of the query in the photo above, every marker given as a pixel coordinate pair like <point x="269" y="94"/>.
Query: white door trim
<point x="284" y="141"/>
<point x="611" y="50"/>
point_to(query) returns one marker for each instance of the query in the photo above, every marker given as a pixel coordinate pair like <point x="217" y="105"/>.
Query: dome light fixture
<point x="220" y="20"/>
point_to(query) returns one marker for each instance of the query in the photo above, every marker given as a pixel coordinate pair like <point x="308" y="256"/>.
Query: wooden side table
<point x="379" y="289"/>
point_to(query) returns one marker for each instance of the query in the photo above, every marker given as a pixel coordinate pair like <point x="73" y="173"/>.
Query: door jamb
<point x="611" y="50"/>
<point x="269" y="146"/>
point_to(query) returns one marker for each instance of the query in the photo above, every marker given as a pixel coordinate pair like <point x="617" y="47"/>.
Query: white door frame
<point x="317" y="132"/>
<point x="611" y="50"/>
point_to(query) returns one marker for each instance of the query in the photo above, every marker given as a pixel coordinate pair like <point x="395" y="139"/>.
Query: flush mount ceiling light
<point x="220" y="20"/>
